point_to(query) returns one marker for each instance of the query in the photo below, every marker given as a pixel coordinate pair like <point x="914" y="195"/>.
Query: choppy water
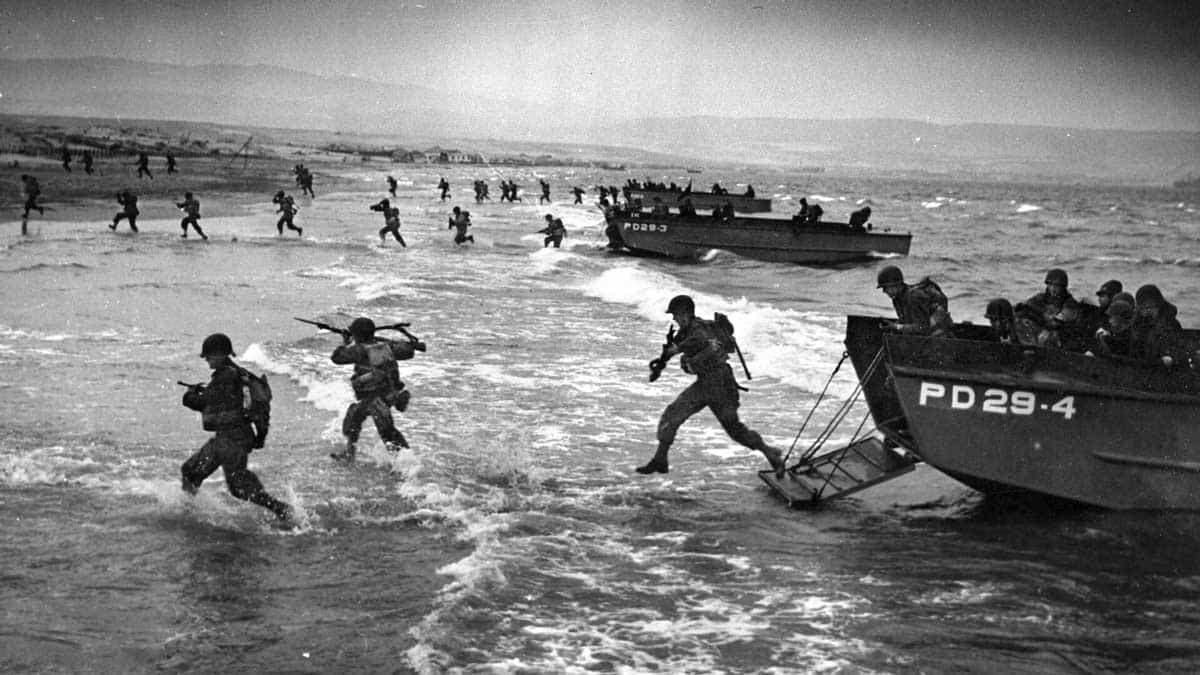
<point x="514" y="536"/>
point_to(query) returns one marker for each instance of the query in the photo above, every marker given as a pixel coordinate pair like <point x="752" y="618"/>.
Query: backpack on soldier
<point x="258" y="408"/>
<point x="724" y="332"/>
<point x="939" y="318"/>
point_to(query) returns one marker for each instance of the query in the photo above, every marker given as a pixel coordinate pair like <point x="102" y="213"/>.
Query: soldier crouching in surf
<point x="703" y="345"/>
<point x="238" y="429"/>
<point x="376" y="382"/>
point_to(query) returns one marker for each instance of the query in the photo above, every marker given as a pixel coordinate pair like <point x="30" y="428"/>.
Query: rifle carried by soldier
<point x="345" y="332"/>
<point x="657" y="365"/>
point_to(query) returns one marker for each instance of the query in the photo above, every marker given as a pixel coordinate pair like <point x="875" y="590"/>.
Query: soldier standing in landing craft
<point x="921" y="309"/>
<point x="129" y="210"/>
<point x="143" y="165"/>
<point x="287" y="206"/>
<point x="237" y="429"/>
<point x="376" y="383"/>
<point x="705" y="354"/>
<point x="190" y="206"/>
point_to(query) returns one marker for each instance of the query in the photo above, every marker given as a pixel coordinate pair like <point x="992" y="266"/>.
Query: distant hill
<point x="989" y="149"/>
<point x="257" y="95"/>
<point x="269" y="96"/>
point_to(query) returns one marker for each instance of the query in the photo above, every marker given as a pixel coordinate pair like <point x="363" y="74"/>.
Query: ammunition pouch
<point x="398" y="399"/>
<point x="369" y="382"/>
<point x="223" y="420"/>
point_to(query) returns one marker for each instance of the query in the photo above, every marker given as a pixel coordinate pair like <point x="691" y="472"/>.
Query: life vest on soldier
<point x="380" y="373"/>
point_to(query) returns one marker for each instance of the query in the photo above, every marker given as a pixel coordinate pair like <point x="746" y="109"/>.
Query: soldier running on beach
<point x="545" y="192"/>
<point x="190" y="206"/>
<point x="171" y="164"/>
<point x="143" y="165"/>
<point x="578" y="194"/>
<point x="554" y="231"/>
<point x="287" y="206"/>
<point x="238" y="429"/>
<point x="391" y="185"/>
<point x="461" y="220"/>
<point x="704" y="345"/>
<point x="87" y="162"/>
<point x="32" y="191"/>
<point x="66" y="159"/>
<point x="129" y="210"/>
<point x="444" y="187"/>
<point x="391" y="219"/>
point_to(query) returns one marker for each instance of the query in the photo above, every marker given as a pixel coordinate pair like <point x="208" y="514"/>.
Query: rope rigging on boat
<point x="838" y="416"/>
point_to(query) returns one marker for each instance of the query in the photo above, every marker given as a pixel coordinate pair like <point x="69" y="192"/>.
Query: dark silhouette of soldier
<point x="129" y="210"/>
<point x="66" y="158"/>
<point x="578" y="194"/>
<point x="391" y="221"/>
<point x="32" y="190"/>
<point x="87" y="162"/>
<point x="545" y="196"/>
<point x="444" y="187"/>
<point x="391" y="185"/>
<point x="171" y="164"/>
<point x="191" y="208"/>
<point x="143" y="165"/>
<point x="287" y="206"/>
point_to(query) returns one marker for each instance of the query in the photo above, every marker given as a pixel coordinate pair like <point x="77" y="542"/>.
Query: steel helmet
<point x="216" y="345"/>
<point x="1149" y="295"/>
<point x="1111" y="287"/>
<point x="1056" y="276"/>
<point x="889" y="275"/>
<point x="999" y="309"/>
<point x="681" y="303"/>
<point x="362" y="328"/>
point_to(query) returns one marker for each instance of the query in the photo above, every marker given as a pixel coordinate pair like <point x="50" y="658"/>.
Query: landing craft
<point x="675" y="235"/>
<point x="1013" y="420"/>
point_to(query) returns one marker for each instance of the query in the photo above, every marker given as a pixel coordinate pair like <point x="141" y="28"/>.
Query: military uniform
<point x="377" y="387"/>
<point x="715" y="388"/>
<point x="221" y="406"/>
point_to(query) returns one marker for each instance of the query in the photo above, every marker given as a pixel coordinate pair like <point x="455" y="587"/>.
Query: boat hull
<point x="769" y="239"/>
<point x="1005" y="419"/>
<point x="701" y="200"/>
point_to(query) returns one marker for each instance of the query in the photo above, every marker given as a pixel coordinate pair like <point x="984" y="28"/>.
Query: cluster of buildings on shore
<point x="452" y="156"/>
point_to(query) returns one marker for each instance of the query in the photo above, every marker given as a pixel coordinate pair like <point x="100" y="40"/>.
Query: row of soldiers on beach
<point x="89" y="163"/>
<point x="1142" y="326"/>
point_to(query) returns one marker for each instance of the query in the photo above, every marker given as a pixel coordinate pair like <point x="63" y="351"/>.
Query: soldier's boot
<point x="346" y="455"/>
<point x="657" y="464"/>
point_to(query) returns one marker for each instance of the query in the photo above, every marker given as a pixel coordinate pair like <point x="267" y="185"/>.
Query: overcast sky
<point x="1095" y="63"/>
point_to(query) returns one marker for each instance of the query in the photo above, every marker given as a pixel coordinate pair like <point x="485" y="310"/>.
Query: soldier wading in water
<point x="238" y="429"/>
<point x="705" y="346"/>
<point x="376" y="383"/>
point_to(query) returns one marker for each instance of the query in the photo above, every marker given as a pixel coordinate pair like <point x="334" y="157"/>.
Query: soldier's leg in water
<point x="199" y="466"/>
<point x="279" y="225"/>
<point x="381" y="412"/>
<point x="133" y="222"/>
<point x="196" y="224"/>
<point x="356" y="414"/>
<point x="688" y="403"/>
<point x="233" y="451"/>
<point x="725" y="408"/>
<point x="383" y="233"/>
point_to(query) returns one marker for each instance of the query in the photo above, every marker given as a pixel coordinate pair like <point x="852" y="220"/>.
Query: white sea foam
<point x="1026" y="208"/>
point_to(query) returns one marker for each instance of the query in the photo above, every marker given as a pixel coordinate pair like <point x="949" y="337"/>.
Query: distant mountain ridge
<point x="271" y="96"/>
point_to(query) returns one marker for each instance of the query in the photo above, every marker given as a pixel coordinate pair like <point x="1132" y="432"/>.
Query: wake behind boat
<point x="1011" y="419"/>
